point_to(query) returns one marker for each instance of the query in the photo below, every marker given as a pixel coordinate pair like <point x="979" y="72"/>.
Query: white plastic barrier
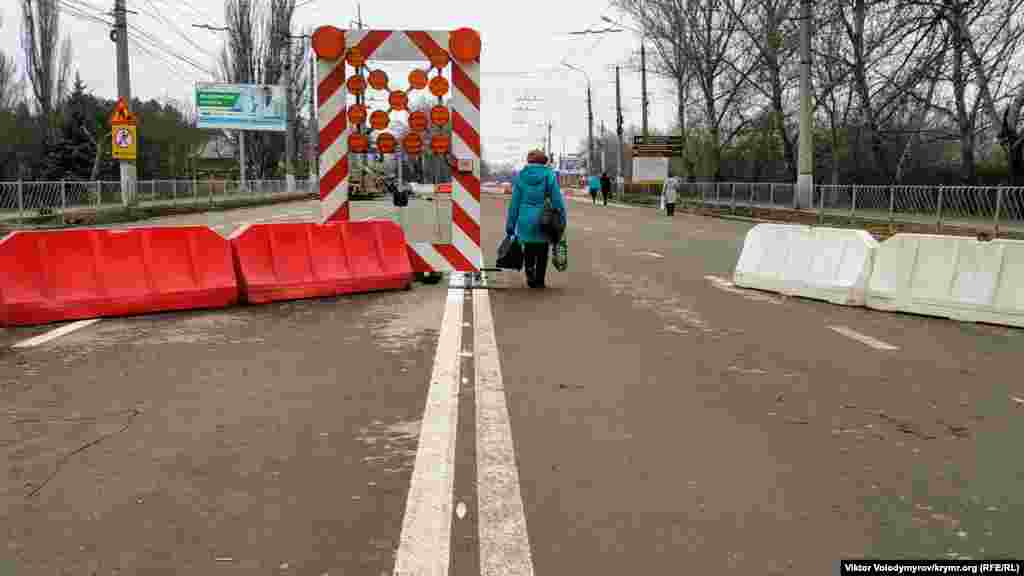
<point x="830" y="264"/>
<point x="951" y="277"/>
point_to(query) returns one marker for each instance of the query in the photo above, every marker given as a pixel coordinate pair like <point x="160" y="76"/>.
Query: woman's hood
<point x="534" y="174"/>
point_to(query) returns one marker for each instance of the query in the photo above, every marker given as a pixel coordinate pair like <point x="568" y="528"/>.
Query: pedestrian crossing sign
<point x="125" y="142"/>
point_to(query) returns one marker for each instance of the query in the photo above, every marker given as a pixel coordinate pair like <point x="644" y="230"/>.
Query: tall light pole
<point x="805" y="180"/>
<point x="643" y="85"/>
<point x="590" y="118"/>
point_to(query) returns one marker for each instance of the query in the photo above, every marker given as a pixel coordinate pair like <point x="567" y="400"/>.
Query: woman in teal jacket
<point x="594" y="183"/>
<point x="535" y="181"/>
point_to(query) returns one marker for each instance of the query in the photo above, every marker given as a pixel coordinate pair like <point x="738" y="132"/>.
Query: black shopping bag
<point x="510" y="254"/>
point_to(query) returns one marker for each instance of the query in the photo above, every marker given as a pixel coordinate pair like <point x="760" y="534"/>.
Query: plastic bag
<point x="560" y="254"/>
<point x="510" y="254"/>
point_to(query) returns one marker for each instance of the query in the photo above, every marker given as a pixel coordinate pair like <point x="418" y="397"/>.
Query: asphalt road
<point x="641" y="411"/>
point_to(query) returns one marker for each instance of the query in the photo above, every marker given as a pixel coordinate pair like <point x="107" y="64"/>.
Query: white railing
<point x="24" y="201"/>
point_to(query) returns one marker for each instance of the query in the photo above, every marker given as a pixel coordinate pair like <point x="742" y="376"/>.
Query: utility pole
<point x="590" y="133"/>
<point x="805" y="180"/>
<point x="549" y="140"/>
<point x="314" y="125"/>
<point x="289" y="121"/>
<point x="618" y="129"/>
<point x="604" y="150"/>
<point x="124" y="90"/>
<point x="643" y="85"/>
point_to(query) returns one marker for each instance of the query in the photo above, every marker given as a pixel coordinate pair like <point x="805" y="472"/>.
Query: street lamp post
<point x="590" y="118"/>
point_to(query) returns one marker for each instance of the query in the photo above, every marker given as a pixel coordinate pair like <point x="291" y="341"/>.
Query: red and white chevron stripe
<point x="333" y="136"/>
<point x="464" y="253"/>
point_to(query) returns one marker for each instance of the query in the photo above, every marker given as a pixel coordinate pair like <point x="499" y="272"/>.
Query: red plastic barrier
<point x="289" y="261"/>
<point x="52" y="276"/>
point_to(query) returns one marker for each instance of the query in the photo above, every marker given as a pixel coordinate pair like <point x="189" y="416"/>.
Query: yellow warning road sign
<point x="124" y="140"/>
<point x="121" y="116"/>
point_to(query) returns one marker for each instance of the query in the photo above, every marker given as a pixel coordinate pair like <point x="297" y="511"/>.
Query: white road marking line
<point x="504" y="542"/>
<point x="651" y="254"/>
<point x="55" y="333"/>
<point x="727" y="286"/>
<point x="425" y="547"/>
<point x="863" y="338"/>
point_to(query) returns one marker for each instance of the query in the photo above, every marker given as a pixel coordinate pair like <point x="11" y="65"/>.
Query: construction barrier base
<point x="830" y="264"/>
<point x="950" y="277"/>
<point x="55" y="276"/>
<point x="292" y="261"/>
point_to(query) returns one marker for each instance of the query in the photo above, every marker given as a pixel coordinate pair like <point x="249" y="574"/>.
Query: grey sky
<point x="523" y="44"/>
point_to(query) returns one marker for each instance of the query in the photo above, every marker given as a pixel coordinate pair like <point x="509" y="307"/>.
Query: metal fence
<point x="21" y="201"/>
<point x="990" y="208"/>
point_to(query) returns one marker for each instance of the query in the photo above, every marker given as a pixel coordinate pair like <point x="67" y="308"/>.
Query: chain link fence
<point x="25" y="202"/>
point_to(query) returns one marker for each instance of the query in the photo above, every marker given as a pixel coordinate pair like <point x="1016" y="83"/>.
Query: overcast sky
<point x="524" y="42"/>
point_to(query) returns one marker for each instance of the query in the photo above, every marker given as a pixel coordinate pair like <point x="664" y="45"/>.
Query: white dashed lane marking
<point x="863" y="338"/>
<point x="55" y="333"/>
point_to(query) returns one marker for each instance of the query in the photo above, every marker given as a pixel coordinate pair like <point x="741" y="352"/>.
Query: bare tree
<point x="989" y="33"/>
<point x="664" y="24"/>
<point x="773" y="37"/>
<point x="48" y="70"/>
<point x="833" y="96"/>
<point x="259" y="45"/>
<point x="695" y="41"/>
<point x="10" y="88"/>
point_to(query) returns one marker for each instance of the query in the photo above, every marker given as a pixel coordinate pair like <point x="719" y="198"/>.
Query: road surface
<point x="641" y="411"/>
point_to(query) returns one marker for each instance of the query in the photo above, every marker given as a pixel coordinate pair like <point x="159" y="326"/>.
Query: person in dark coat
<point x="606" y="187"/>
<point x="535" y="181"/>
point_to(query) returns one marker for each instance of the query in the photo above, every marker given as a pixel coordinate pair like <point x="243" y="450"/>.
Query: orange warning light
<point x="355" y="57"/>
<point x="418" y="79"/>
<point x="439" y="59"/>
<point x="386" y="143"/>
<point x="439" y="115"/>
<point x="379" y="80"/>
<point x="358" y="143"/>
<point x="357" y="114"/>
<point x="413" y="143"/>
<point x="379" y="120"/>
<point x="464" y="44"/>
<point x="328" y="43"/>
<point x="418" y="121"/>
<point x="439" y="143"/>
<point x="438" y="86"/>
<point x="398" y="100"/>
<point x="356" y="84"/>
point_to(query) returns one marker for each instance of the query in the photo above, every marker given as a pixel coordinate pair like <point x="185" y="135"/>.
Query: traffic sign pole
<point x="241" y="158"/>
<point x="124" y="91"/>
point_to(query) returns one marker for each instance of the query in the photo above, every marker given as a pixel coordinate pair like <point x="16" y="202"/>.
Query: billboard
<point x="241" y="107"/>
<point x="572" y="163"/>
<point x="650" y="169"/>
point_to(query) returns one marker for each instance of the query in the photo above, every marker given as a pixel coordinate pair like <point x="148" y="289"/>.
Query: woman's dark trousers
<point x="535" y="256"/>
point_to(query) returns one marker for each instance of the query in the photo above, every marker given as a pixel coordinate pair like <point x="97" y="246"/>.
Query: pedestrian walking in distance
<point x="671" y="193"/>
<point x="534" y="183"/>
<point x="594" y="184"/>
<point x="606" y="187"/>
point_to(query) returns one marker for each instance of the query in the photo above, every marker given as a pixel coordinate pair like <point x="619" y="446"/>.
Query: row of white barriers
<point x="947" y="276"/>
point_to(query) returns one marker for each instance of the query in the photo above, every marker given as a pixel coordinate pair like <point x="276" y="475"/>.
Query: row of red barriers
<point x="53" y="276"/>
<point x="291" y="261"/>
